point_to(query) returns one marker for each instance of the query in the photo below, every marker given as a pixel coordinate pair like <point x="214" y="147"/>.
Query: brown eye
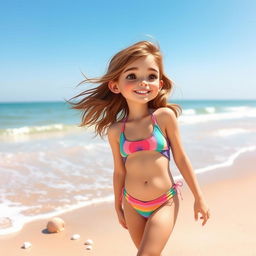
<point x="131" y="76"/>
<point x="152" y="77"/>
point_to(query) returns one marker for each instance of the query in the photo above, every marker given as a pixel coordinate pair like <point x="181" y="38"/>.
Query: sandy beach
<point x="229" y="192"/>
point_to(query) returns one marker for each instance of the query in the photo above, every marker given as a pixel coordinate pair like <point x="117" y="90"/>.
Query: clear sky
<point x="208" y="46"/>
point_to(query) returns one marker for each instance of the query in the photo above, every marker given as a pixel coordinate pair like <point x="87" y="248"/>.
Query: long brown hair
<point x="101" y="107"/>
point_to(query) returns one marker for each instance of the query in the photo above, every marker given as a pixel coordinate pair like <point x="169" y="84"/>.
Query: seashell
<point x="55" y="225"/>
<point x="88" y="247"/>
<point x="88" y="242"/>
<point x="26" y="245"/>
<point x="75" y="237"/>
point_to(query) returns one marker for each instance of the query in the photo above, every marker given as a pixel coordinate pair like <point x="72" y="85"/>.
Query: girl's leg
<point x="135" y="223"/>
<point x="158" y="228"/>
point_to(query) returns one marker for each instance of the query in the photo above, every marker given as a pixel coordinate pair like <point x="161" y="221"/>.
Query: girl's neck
<point x="138" y="112"/>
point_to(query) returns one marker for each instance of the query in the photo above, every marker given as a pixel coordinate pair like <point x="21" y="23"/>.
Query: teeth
<point x="142" y="92"/>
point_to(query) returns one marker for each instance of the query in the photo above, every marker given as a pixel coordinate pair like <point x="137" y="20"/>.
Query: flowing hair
<point x="101" y="107"/>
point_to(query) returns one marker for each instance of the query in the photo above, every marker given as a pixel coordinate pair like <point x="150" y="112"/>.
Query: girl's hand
<point x="201" y="207"/>
<point x="120" y="214"/>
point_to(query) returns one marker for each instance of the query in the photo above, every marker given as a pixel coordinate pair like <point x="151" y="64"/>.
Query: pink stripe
<point x="154" y="119"/>
<point x="126" y="148"/>
<point x="147" y="205"/>
<point x="159" y="201"/>
<point x="150" y="203"/>
<point x="152" y="143"/>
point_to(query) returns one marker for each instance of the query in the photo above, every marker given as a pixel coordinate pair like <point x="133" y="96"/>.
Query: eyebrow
<point x="135" y="68"/>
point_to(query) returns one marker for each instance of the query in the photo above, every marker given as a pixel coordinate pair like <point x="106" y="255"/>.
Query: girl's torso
<point x="146" y="160"/>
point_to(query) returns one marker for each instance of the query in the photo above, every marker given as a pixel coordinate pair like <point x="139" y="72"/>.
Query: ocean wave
<point x="217" y="109"/>
<point x="189" y="111"/>
<point x="26" y="130"/>
<point x="210" y="110"/>
<point x="193" y="116"/>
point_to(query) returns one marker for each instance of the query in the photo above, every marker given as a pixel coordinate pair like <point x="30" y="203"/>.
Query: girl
<point x="130" y="106"/>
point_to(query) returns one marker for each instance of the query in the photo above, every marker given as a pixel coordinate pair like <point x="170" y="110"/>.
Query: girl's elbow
<point x="119" y="172"/>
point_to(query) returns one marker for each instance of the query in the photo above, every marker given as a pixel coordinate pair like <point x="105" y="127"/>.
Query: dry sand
<point x="230" y="193"/>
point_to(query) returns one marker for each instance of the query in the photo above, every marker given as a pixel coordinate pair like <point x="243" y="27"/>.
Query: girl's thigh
<point x="135" y="223"/>
<point x="159" y="228"/>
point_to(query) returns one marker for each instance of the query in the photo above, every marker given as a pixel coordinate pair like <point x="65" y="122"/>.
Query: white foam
<point x="210" y="110"/>
<point x="202" y="118"/>
<point x="238" y="108"/>
<point x="12" y="211"/>
<point x="189" y="116"/>
<point x="229" y="132"/>
<point x="189" y="111"/>
<point x="36" y="129"/>
<point x="229" y="162"/>
<point x="18" y="220"/>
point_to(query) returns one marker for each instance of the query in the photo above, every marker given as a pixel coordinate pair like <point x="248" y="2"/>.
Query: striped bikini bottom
<point x="146" y="208"/>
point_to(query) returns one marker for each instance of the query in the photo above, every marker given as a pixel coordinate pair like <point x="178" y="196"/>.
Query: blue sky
<point x="208" y="46"/>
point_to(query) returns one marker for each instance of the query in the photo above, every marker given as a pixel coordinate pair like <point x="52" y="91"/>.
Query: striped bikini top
<point x="156" y="142"/>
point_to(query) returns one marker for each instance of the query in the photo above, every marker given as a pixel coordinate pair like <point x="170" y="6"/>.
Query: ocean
<point x="49" y="165"/>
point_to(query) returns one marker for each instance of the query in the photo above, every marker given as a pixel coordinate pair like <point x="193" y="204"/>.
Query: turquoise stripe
<point x="171" y="192"/>
<point x="144" y="214"/>
<point x="121" y="145"/>
<point x="161" y="141"/>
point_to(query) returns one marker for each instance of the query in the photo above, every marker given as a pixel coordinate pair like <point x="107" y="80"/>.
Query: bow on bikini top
<point x="157" y="142"/>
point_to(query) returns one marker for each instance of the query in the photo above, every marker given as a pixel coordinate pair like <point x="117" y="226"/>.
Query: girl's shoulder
<point x="163" y="112"/>
<point x="164" y="116"/>
<point x="115" y="129"/>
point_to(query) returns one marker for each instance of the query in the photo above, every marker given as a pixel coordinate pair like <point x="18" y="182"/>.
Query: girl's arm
<point x="119" y="169"/>
<point x="184" y="165"/>
<point x="179" y="155"/>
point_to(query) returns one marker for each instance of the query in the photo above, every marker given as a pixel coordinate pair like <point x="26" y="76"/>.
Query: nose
<point x="143" y="82"/>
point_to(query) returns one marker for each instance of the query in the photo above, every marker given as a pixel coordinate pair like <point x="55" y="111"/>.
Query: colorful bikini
<point x="156" y="142"/>
<point x="146" y="208"/>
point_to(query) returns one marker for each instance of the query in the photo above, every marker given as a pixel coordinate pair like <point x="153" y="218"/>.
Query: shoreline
<point x="228" y="231"/>
<point x="208" y="172"/>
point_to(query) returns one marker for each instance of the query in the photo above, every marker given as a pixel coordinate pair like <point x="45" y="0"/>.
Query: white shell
<point x="88" y="247"/>
<point x="89" y="242"/>
<point x="75" y="237"/>
<point x="26" y="245"/>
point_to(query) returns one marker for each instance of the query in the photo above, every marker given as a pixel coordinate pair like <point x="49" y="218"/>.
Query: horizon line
<point x="188" y="99"/>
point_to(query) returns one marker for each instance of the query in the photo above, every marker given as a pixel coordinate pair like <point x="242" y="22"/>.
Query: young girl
<point x="130" y="106"/>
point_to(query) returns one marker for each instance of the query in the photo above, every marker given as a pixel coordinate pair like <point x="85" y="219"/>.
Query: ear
<point x="113" y="87"/>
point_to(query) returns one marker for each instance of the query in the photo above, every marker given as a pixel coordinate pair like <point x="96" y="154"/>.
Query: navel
<point x="146" y="182"/>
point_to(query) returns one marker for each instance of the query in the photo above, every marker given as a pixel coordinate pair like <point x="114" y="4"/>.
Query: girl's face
<point x="140" y="80"/>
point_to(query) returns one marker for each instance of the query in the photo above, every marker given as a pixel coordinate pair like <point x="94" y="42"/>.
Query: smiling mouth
<point x="142" y="92"/>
